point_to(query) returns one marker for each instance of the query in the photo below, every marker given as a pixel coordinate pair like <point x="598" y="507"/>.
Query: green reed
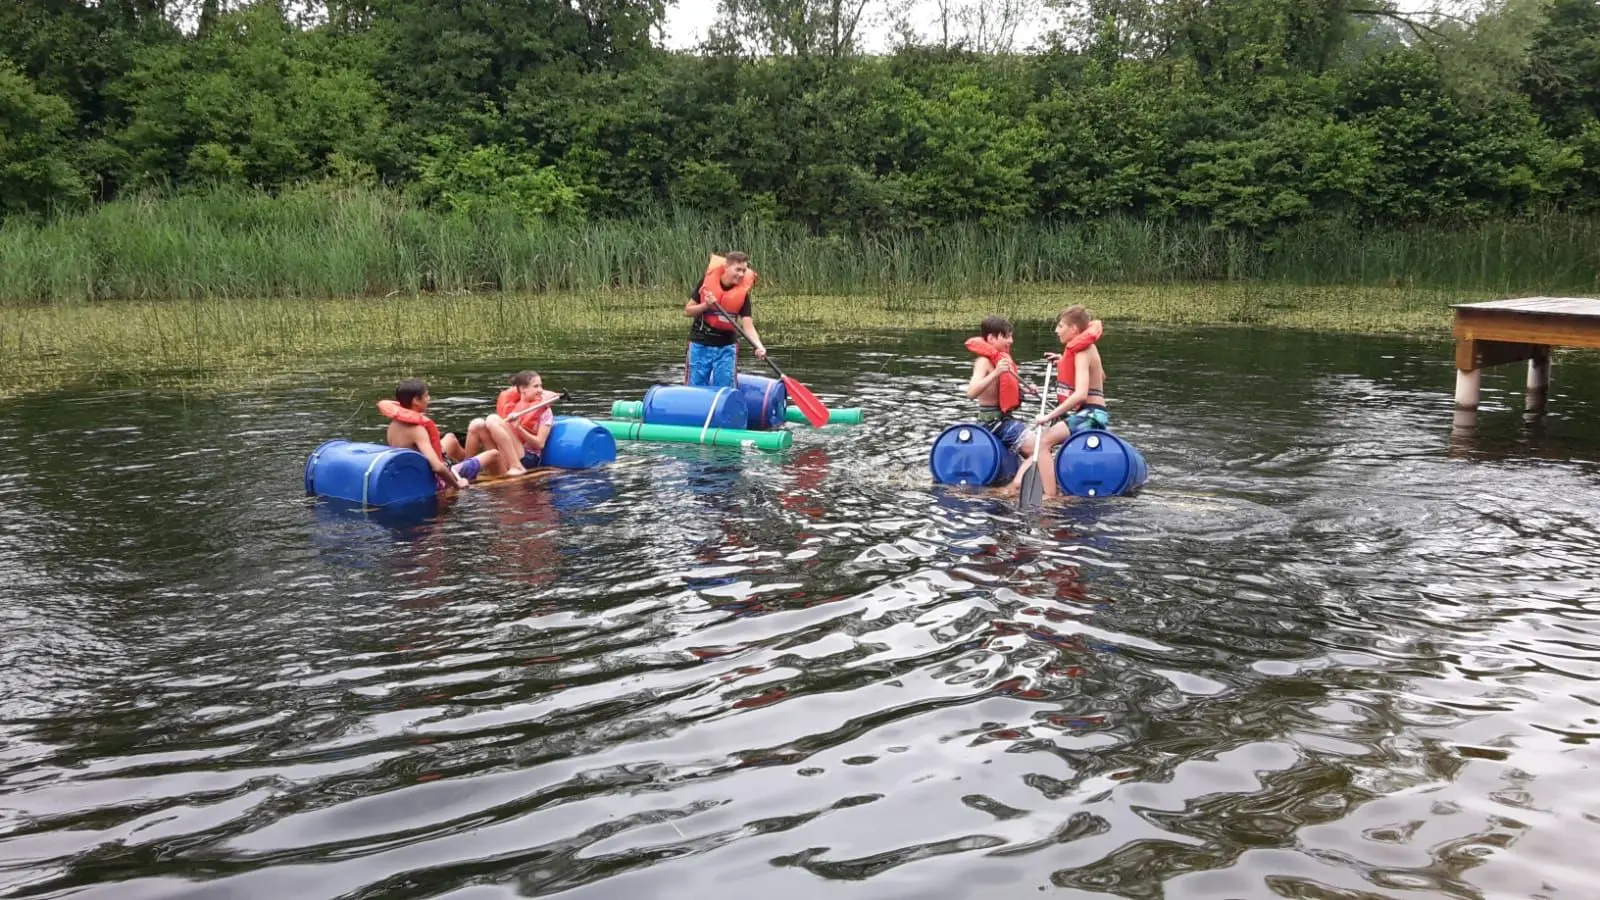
<point x="325" y="241"/>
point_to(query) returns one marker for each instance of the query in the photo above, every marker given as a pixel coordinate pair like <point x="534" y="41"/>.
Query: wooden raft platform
<point x="1507" y="331"/>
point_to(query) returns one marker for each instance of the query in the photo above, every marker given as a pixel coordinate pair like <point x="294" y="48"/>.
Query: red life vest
<point x="1009" y="394"/>
<point x="392" y="409"/>
<point x="730" y="299"/>
<point x="1066" y="369"/>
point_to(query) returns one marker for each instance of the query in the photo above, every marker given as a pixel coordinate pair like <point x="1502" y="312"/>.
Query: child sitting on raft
<point x="518" y="410"/>
<point x="409" y="427"/>
<point x="994" y="384"/>
<point x="1080" y="388"/>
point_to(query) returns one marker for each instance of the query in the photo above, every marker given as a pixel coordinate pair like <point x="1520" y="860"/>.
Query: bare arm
<point x="420" y="443"/>
<point x="750" y="329"/>
<point x="534" y="439"/>
<point x="694" y="307"/>
<point x="1080" y="387"/>
<point x="984" y="374"/>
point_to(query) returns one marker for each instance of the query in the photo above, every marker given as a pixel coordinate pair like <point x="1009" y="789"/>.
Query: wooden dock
<point x="1508" y="331"/>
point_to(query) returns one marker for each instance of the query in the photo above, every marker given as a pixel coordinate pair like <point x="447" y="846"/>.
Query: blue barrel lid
<point x="965" y="453"/>
<point x="1097" y="463"/>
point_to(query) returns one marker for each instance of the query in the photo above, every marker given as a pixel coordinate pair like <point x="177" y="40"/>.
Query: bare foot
<point x="512" y="473"/>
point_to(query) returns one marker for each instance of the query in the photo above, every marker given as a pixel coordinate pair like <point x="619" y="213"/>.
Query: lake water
<point x="1328" y="652"/>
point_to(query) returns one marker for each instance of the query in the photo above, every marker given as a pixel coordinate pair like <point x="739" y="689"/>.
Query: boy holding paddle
<point x="713" y="354"/>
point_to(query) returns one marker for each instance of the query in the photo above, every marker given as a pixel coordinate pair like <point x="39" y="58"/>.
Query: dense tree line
<point x="1244" y="114"/>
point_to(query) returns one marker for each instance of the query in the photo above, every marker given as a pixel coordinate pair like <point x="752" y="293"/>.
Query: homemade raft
<point x="750" y="414"/>
<point x="382" y="476"/>
<point x="634" y="409"/>
<point x="1091" y="463"/>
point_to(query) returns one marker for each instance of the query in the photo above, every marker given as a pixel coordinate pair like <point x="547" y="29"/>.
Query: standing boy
<point x="713" y="354"/>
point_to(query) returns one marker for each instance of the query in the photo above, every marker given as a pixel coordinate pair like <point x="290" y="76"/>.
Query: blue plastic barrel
<point x="700" y="407"/>
<point x="765" y="398"/>
<point x="1096" y="463"/>
<point x="369" y="474"/>
<point x="578" y="443"/>
<point x="967" y="453"/>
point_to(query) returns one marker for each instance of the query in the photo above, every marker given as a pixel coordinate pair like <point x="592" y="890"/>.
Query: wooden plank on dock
<point x="1496" y="332"/>
<point x="1544" y="326"/>
<point x="1556" y="306"/>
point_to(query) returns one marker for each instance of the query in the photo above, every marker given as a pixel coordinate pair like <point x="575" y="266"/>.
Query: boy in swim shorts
<point x="994" y="383"/>
<point x="1080" y="388"/>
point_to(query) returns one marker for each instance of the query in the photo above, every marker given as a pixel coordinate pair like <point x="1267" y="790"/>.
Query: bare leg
<point x="478" y="444"/>
<point x="493" y="463"/>
<point x="507" y="442"/>
<point x="1024" y="450"/>
<point x="1055" y="437"/>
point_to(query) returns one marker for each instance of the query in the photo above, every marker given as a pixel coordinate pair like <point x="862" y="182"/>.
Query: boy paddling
<point x="1080" y="390"/>
<point x="713" y="354"/>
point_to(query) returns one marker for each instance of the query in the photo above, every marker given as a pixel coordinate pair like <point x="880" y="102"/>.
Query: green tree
<point x="35" y="131"/>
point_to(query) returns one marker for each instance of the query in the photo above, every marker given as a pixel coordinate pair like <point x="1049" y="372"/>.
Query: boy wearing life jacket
<point x="531" y="429"/>
<point x="410" y="427"/>
<point x="1080" y="387"/>
<point x="995" y="386"/>
<point x="713" y="353"/>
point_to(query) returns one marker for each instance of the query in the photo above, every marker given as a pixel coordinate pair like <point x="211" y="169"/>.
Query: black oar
<point x="1030" y="494"/>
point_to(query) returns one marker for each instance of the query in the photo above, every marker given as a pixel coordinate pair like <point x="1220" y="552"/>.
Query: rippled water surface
<point x="1329" y="652"/>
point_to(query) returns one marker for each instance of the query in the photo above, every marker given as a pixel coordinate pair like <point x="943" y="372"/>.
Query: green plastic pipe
<point x="850" y="416"/>
<point x="688" y="434"/>
<point x="634" y="409"/>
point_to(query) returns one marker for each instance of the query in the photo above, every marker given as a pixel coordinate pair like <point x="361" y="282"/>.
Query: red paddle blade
<point x="810" y="406"/>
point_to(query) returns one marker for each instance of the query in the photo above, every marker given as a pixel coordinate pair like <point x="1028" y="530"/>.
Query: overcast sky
<point x="687" y="21"/>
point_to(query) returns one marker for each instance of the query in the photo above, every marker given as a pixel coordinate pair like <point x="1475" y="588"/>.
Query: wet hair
<point x="524" y="378"/>
<point x="994" y="325"/>
<point x="736" y="256"/>
<point x="409" y="390"/>
<point x="1074" y="315"/>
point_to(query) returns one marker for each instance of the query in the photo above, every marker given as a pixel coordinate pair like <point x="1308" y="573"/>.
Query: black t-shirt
<point x="701" y="333"/>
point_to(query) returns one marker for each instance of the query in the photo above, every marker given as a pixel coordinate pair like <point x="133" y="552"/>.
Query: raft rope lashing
<point x="366" y="479"/>
<point x="711" y="411"/>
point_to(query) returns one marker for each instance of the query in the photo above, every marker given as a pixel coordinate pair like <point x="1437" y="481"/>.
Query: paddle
<point x="814" y="410"/>
<point x="1030" y="494"/>
<point x="542" y="404"/>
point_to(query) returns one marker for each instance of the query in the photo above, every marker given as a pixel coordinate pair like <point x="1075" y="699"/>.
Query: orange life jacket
<point x="510" y="402"/>
<point x="1009" y="394"/>
<point x="1066" y="369"/>
<point x="730" y="299"/>
<point x="392" y="409"/>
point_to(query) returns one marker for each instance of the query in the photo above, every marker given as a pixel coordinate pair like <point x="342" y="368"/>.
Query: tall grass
<point x="331" y="241"/>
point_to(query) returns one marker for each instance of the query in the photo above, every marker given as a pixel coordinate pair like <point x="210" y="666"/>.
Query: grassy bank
<point x="325" y="241"/>
<point x="205" y="342"/>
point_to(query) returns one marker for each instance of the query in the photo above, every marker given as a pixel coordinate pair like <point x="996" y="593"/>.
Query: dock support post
<point x="1538" y="381"/>
<point x="1467" y="384"/>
